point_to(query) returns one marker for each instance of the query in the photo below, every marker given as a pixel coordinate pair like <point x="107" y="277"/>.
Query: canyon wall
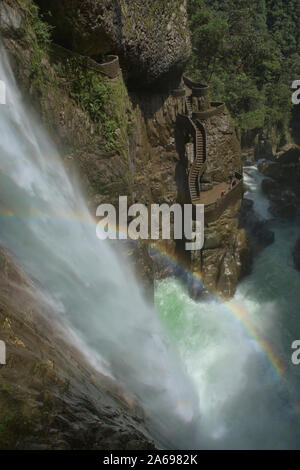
<point x="118" y="136"/>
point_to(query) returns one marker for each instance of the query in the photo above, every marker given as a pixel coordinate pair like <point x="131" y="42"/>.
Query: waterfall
<point x="239" y="352"/>
<point x="47" y="227"/>
<point x="221" y="390"/>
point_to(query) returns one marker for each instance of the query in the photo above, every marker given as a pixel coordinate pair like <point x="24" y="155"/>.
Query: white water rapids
<point x="45" y="224"/>
<point x="244" y="402"/>
<point x="225" y="394"/>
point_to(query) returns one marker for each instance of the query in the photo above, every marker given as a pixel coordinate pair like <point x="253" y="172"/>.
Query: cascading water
<point x="239" y="353"/>
<point x="46" y="226"/>
<point x="242" y="402"/>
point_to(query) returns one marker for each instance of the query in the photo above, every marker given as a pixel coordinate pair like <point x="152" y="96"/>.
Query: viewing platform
<point x="216" y="198"/>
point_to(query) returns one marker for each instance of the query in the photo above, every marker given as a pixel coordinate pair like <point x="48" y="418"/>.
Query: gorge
<point x="98" y="106"/>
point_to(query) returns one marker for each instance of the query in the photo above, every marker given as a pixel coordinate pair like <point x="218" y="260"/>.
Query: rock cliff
<point x="120" y="137"/>
<point x="120" y="141"/>
<point x="150" y="37"/>
<point x="282" y="182"/>
<point x="50" y="396"/>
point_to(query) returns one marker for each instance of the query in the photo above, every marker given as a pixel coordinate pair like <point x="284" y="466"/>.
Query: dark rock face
<point x="283" y="201"/>
<point x="10" y="19"/>
<point x="290" y="155"/>
<point x="223" y="148"/>
<point x="283" y="208"/>
<point x="296" y="254"/>
<point x="260" y="235"/>
<point x="50" y="396"/>
<point x="282" y="186"/>
<point x="151" y="37"/>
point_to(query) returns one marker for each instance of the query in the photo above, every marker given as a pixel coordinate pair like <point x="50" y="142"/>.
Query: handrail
<point x="189" y="106"/>
<point x="194" y="170"/>
<point x="200" y="88"/>
<point x="111" y="68"/>
<point x="218" y="107"/>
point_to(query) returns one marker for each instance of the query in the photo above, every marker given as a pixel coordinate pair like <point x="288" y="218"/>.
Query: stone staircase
<point x="198" y="166"/>
<point x="189" y="105"/>
<point x="211" y="196"/>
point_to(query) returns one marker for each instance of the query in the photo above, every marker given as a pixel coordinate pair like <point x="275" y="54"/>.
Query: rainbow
<point x="242" y="315"/>
<point x="239" y="312"/>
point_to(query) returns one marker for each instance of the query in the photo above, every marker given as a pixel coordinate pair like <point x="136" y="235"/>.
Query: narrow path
<point x="208" y="197"/>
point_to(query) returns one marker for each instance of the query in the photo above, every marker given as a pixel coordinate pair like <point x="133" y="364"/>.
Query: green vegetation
<point x="104" y="100"/>
<point x="250" y="53"/>
<point x="38" y="34"/>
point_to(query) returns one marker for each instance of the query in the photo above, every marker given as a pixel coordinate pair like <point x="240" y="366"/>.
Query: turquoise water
<point x="245" y="402"/>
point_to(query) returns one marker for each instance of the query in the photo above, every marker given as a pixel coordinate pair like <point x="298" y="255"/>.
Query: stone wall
<point x="223" y="153"/>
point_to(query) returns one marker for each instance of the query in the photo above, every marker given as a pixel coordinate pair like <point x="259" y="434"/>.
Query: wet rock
<point x="213" y="239"/>
<point x="289" y="155"/>
<point x="50" y="396"/>
<point x="271" y="188"/>
<point x="283" y="206"/>
<point x="283" y="201"/>
<point x="259" y="233"/>
<point x="265" y="149"/>
<point x="283" y="184"/>
<point x="243" y="254"/>
<point x="10" y="19"/>
<point x="285" y="175"/>
<point x="268" y="168"/>
<point x="228" y="276"/>
<point x="196" y="290"/>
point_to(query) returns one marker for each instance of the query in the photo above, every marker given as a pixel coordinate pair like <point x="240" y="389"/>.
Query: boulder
<point x="283" y="177"/>
<point x="283" y="208"/>
<point x="271" y="188"/>
<point x="228" y="276"/>
<point x="283" y="201"/>
<point x="270" y="169"/>
<point x="10" y="19"/>
<point x="257" y="229"/>
<point x="151" y="37"/>
<point x="289" y="155"/>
